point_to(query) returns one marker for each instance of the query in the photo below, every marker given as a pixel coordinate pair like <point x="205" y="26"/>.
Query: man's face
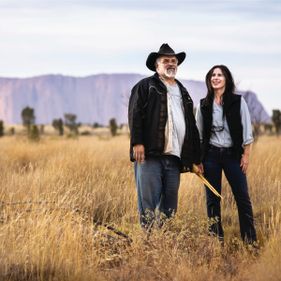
<point x="166" y="66"/>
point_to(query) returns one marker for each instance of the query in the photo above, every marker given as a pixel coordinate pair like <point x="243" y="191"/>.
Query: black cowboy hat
<point x="165" y="50"/>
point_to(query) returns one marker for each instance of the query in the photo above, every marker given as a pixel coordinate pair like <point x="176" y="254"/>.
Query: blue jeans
<point x="216" y="161"/>
<point x="157" y="181"/>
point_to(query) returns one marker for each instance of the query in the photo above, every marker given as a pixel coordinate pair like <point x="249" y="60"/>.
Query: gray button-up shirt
<point x="220" y="135"/>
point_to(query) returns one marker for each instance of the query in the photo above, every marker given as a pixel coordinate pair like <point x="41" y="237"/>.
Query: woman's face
<point x="218" y="79"/>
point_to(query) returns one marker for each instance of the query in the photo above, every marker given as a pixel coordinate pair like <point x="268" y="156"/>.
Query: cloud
<point x="81" y="37"/>
<point x="103" y="30"/>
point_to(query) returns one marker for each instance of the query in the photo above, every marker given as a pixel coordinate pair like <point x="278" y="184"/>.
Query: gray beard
<point x="171" y="73"/>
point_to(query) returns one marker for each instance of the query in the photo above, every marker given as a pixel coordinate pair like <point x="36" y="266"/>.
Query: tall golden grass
<point x="51" y="192"/>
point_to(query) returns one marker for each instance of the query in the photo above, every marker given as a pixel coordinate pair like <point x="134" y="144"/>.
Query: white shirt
<point x="175" y="126"/>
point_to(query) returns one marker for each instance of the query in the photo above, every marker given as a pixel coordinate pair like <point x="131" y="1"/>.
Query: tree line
<point x="70" y="122"/>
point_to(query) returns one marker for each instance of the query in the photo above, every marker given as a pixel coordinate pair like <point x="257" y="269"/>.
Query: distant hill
<point x="95" y="98"/>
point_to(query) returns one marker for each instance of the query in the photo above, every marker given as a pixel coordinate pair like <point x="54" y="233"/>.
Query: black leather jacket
<point x="148" y="116"/>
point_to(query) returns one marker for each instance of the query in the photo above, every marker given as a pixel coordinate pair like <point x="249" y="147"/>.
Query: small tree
<point x="276" y="119"/>
<point x="34" y="134"/>
<point x="96" y="125"/>
<point x="58" y="125"/>
<point x="1" y="128"/>
<point x="113" y="127"/>
<point x="70" y="123"/>
<point x="28" y="117"/>
<point x="12" y="131"/>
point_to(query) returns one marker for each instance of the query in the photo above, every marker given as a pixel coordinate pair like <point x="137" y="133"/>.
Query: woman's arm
<point x="245" y="158"/>
<point x="247" y="135"/>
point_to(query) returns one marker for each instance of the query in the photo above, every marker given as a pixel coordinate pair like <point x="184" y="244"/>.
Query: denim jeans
<point x="157" y="181"/>
<point x="216" y="161"/>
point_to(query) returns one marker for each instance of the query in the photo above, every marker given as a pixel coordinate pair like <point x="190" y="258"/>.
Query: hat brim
<point x="152" y="57"/>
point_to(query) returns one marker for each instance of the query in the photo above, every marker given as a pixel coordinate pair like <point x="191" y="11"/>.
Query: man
<point x="164" y="137"/>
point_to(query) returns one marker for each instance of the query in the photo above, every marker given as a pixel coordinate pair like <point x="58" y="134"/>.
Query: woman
<point x="224" y="125"/>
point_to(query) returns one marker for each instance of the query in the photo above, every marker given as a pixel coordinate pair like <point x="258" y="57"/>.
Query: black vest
<point x="231" y="108"/>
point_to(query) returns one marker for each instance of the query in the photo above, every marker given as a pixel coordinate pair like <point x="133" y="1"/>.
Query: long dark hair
<point x="229" y="84"/>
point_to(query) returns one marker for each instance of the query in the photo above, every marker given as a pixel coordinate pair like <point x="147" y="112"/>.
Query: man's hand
<point x="198" y="169"/>
<point x="138" y="150"/>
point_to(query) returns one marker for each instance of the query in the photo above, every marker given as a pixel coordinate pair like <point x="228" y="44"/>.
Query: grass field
<point x="52" y="191"/>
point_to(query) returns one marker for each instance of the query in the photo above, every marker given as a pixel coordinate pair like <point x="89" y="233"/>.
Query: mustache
<point x="171" y="68"/>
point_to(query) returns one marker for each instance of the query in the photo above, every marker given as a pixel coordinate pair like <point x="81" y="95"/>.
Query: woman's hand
<point x="244" y="162"/>
<point x="198" y="169"/>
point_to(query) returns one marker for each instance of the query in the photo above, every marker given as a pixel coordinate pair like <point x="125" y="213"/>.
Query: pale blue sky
<point x="83" y="37"/>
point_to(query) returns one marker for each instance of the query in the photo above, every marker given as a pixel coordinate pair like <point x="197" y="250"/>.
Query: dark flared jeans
<point x="216" y="161"/>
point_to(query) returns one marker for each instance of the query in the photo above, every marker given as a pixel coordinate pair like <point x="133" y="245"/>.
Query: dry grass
<point x="52" y="191"/>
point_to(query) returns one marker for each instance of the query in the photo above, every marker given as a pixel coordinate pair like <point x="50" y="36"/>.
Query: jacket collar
<point x="162" y="84"/>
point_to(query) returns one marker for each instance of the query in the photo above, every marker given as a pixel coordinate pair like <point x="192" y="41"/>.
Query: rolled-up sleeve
<point x="246" y="123"/>
<point x="199" y="122"/>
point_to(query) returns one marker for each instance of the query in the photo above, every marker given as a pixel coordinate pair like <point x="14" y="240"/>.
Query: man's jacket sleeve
<point x="136" y="114"/>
